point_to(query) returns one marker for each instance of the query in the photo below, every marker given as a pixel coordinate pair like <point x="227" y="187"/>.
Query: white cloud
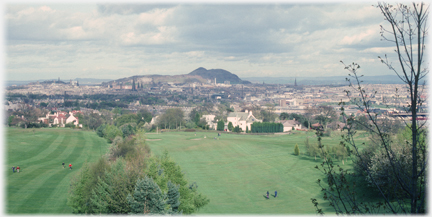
<point x="269" y="40"/>
<point x="359" y="37"/>
<point x="379" y="50"/>
<point x="156" y="17"/>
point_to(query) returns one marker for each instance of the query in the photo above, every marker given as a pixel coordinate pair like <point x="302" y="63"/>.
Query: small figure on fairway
<point x="267" y="194"/>
<point x="63" y="165"/>
<point x="13" y="169"/>
<point x="275" y="193"/>
<point x="18" y="168"/>
<point x="70" y="166"/>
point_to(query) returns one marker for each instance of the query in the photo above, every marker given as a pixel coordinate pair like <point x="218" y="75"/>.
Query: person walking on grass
<point x="70" y="166"/>
<point x="63" y="165"/>
<point x="18" y="169"/>
<point x="267" y="195"/>
<point x="13" y="169"/>
<point x="275" y="193"/>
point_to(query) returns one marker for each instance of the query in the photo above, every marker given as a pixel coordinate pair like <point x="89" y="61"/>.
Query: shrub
<point x="327" y="132"/>
<point x="70" y="125"/>
<point x="296" y="150"/>
<point x="311" y="149"/>
<point x="237" y="129"/>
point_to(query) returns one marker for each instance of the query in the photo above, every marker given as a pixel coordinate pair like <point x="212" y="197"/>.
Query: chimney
<point x="246" y="111"/>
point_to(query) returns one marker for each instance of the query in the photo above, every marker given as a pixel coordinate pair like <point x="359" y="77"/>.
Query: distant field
<point x="237" y="170"/>
<point x="42" y="185"/>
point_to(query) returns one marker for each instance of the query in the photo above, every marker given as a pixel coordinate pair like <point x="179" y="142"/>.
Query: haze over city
<point x="249" y="39"/>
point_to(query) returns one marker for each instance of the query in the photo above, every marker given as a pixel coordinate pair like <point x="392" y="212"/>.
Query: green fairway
<point x="236" y="171"/>
<point x="42" y="184"/>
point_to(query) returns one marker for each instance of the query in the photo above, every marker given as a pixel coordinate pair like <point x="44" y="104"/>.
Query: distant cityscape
<point x="159" y="93"/>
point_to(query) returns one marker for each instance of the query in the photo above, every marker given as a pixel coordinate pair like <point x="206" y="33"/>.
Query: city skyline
<point x="283" y="39"/>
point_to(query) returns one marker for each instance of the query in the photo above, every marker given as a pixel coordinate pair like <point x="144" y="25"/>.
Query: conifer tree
<point x="230" y="126"/>
<point x="109" y="195"/>
<point x="220" y="125"/>
<point x="296" y="150"/>
<point x="173" y="197"/>
<point x="147" y="198"/>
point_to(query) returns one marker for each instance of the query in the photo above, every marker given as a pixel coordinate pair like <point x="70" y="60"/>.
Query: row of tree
<point x="266" y="127"/>
<point x="128" y="180"/>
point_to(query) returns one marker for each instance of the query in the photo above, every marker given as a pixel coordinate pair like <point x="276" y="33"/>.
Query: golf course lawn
<point x="236" y="171"/>
<point x="42" y="184"/>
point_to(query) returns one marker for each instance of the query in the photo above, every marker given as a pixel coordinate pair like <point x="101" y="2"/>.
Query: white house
<point x="60" y="119"/>
<point x="72" y="119"/>
<point x="242" y="119"/>
<point x="289" y="124"/>
<point x="209" y="119"/>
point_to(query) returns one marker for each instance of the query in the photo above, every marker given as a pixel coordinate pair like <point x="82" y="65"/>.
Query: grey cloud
<point x="127" y="9"/>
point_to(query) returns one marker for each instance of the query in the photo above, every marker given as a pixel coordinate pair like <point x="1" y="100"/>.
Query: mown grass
<point x="235" y="171"/>
<point x="42" y="184"/>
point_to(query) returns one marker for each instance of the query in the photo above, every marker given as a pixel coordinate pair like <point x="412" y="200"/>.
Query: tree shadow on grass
<point x="265" y="196"/>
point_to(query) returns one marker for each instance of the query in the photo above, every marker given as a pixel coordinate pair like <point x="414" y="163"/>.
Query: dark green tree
<point x="284" y="116"/>
<point x="144" y="116"/>
<point x="230" y="126"/>
<point x="173" y="197"/>
<point x="220" y="125"/>
<point x="147" y="198"/>
<point x="237" y="129"/>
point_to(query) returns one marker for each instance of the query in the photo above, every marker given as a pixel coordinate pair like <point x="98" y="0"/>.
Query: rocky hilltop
<point x="220" y="75"/>
<point x="200" y="75"/>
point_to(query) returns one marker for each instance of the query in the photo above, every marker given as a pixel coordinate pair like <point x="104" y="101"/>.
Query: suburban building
<point x="242" y="119"/>
<point x="60" y="119"/>
<point x="209" y="119"/>
<point x="288" y="125"/>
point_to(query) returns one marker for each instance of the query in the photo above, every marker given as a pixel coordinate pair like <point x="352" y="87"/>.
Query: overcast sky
<point x="283" y="39"/>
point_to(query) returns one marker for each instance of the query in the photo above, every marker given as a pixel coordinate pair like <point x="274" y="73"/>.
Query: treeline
<point x="338" y="152"/>
<point x="266" y="127"/>
<point x="128" y="180"/>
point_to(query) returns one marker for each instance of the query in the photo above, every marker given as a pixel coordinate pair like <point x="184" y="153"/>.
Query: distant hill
<point x="220" y="75"/>
<point x="82" y="81"/>
<point x="90" y="81"/>
<point x="147" y="79"/>
<point x="331" y="80"/>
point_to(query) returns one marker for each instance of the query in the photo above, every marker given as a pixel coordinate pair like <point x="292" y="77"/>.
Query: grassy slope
<point x="237" y="170"/>
<point x="42" y="184"/>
